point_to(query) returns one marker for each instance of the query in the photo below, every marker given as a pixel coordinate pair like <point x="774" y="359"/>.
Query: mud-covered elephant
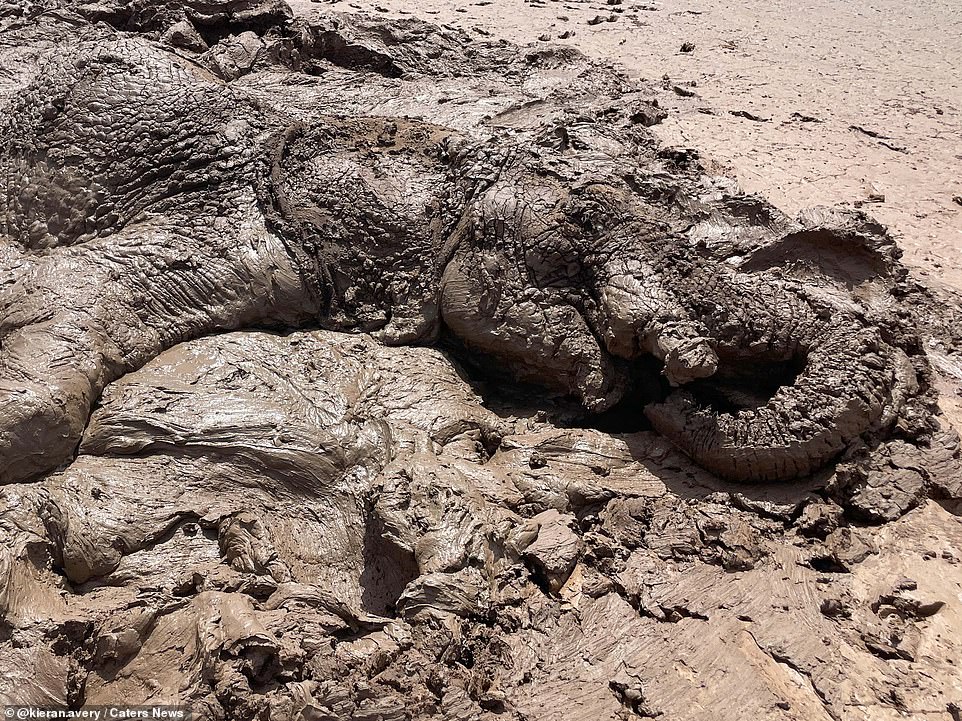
<point x="410" y="186"/>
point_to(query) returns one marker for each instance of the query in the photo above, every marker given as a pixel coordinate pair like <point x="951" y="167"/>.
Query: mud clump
<point x="381" y="372"/>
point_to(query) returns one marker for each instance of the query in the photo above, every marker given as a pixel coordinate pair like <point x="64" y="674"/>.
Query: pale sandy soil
<point x="889" y="66"/>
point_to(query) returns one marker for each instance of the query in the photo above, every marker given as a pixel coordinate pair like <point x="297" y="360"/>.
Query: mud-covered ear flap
<point x="843" y="244"/>
<point x="533" y="333"/>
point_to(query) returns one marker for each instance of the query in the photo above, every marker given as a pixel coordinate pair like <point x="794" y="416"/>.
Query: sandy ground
<point x="811" y="72"/>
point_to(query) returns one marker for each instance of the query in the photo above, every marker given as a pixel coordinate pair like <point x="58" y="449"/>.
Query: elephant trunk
<point x="851" y="382"/>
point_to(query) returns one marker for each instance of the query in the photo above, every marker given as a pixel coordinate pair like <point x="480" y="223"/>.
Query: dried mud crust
<point x="314" y="524"/>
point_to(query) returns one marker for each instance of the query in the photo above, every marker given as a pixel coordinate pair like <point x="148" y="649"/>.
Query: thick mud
<point x="371" y="461"/>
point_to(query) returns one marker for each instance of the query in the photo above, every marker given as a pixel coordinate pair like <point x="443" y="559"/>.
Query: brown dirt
<point x="314" y="526"/>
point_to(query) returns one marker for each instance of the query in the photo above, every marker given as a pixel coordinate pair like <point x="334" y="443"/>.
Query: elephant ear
<point x="843" y="244"/>
<point x="360" y="199"/>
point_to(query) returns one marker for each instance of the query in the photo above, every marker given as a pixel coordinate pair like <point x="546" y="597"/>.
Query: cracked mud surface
<point x="470" y="493"/>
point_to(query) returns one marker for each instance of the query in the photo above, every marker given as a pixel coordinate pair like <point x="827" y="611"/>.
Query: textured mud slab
<point x="313" y="524"/>
<point x="266" y="526"/>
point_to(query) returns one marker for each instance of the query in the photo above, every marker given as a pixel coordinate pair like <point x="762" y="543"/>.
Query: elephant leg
<point x="534" y="335"/>
<point x="640" y="314"/>
<point x="84" y="315"/>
